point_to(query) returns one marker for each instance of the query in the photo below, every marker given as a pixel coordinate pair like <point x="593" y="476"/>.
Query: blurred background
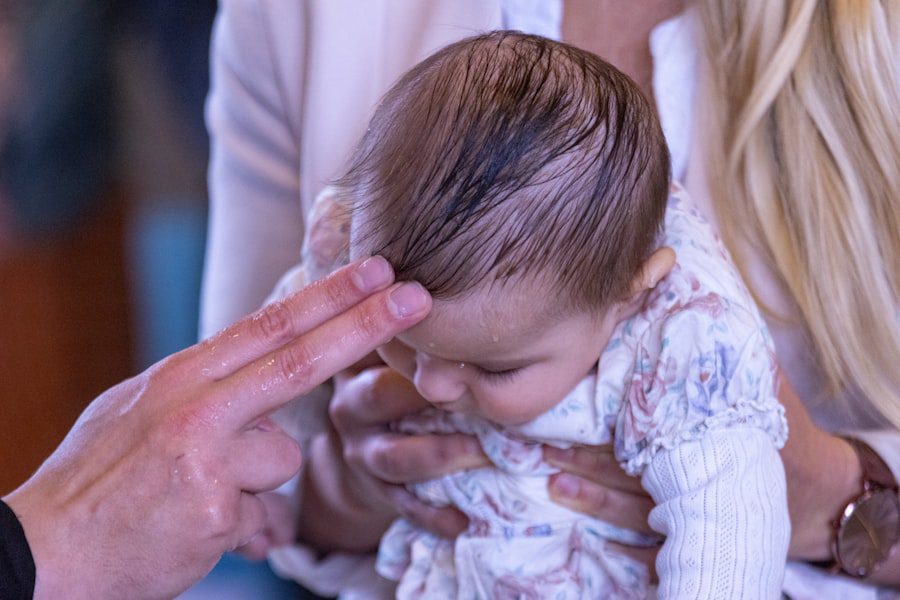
<point x="102" y="203"/>
<point x="103" y="156"/>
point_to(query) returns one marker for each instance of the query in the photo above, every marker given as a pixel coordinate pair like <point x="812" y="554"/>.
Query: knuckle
<point x="392" y="465"/>
<point x="295" y="364"/>
<point x="352" y="455"/>
<point x="595" y="497"/>
<point x="181" y="423"/>
<point x="353" y="399"/>
<point x="366" y="323"/>
<point x="443" y="450"/>
<point x="339" y="412"/>
<point x="588" y="462"/>
<point x="274" y="323"/>
<point x="336" y="292"/>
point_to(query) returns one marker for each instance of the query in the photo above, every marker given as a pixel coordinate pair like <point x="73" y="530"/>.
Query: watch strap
<point x="874" y="469"/>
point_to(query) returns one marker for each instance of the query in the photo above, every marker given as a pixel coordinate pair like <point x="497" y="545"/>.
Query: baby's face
<point x="500" y="356"/>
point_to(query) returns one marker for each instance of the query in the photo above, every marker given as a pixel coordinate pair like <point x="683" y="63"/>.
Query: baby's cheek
<point x="521" y="405"/>
<point x="399" y="357"/>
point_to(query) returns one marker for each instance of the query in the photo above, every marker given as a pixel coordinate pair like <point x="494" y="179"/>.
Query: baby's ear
<point x="653" y="270"/>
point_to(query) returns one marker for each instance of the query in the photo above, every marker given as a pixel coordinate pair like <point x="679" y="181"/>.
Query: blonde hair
<point x="804" y="94"/>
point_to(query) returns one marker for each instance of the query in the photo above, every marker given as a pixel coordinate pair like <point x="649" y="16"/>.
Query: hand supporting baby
<point x="375" y="463"/>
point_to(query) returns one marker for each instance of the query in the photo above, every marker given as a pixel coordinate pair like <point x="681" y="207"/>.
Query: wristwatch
<point x="869" y="527"/>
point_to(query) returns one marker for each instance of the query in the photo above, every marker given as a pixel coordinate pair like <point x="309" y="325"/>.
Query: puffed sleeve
<point x="702" y="424"/>
<point x="256" y="220"/>
<point x="709" y="364"/>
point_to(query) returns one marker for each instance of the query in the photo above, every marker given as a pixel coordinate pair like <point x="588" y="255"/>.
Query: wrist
<point x="867" y="530"/>
<point x="817" y="499"/>
<point x="38" y="523"/>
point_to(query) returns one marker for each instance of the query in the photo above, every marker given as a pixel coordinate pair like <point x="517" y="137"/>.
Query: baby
<point x="525" y="184"/>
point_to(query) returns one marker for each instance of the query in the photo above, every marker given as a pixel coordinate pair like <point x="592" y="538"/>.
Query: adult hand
<point x="159" y="475"/>
<point x="358" y="470"/>
<point x="592" y="482"/>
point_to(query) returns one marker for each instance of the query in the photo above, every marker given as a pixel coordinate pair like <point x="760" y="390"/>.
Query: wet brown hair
<point x="511" y="156"/>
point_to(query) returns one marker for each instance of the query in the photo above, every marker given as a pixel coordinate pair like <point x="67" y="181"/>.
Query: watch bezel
<point x="871" y="491"/>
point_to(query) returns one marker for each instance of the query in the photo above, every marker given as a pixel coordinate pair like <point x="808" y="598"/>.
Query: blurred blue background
<point x="103" y="205"/>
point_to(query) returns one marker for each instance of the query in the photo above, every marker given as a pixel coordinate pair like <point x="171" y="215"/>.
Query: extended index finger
<point x="279" y="323"/>
<point x="267" y="383"/>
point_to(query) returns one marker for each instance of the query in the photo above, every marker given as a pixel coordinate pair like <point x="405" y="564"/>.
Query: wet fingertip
<point x="373" y="274"/>
<point x="408" y="299"/>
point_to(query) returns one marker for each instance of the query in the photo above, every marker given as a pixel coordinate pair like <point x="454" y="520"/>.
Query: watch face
<point x="869" y="529"/>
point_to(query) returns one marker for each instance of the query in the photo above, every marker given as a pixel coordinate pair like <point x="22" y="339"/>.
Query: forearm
<point x="817" y="496"/>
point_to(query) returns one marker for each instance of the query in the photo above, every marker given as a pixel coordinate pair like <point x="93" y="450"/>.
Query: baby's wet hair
<point x="508" y="157"/>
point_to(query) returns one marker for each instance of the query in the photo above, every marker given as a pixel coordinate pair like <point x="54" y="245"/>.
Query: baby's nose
<point x="439" y="381"/>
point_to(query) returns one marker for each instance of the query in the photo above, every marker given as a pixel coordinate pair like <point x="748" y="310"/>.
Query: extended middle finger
<point x="281" y="322"/>
<point x="268" y="383"/>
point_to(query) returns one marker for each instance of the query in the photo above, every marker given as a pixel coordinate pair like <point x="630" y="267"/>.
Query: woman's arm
<point x="255" y="221"/>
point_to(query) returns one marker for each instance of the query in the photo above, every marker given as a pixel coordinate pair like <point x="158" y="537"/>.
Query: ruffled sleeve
<point x="701" y="359"/>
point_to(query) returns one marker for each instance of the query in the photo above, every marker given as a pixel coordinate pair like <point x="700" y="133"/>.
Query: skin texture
<point x="159" y="475"/>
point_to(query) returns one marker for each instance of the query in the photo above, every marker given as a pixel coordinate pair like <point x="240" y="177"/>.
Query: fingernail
<point x="408" y="299"/>
<point x="373" y="274"/>
<point x="566" y="485"/>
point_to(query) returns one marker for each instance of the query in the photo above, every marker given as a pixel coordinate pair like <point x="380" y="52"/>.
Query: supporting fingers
<point x="398" y="458"/>
<point x="267" y="383"/>
<point x="607" y="504"/>
<point x="373" y="398"/>
<point x="594" y="463"/>
<point x="446" y="522"/>
<point x="280" y="322"/>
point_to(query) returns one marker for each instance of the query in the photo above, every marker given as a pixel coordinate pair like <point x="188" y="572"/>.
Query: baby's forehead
<point x="522" y="309"/>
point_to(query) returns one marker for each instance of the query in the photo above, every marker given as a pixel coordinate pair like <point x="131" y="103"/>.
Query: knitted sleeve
<point x="721" y="502"/>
